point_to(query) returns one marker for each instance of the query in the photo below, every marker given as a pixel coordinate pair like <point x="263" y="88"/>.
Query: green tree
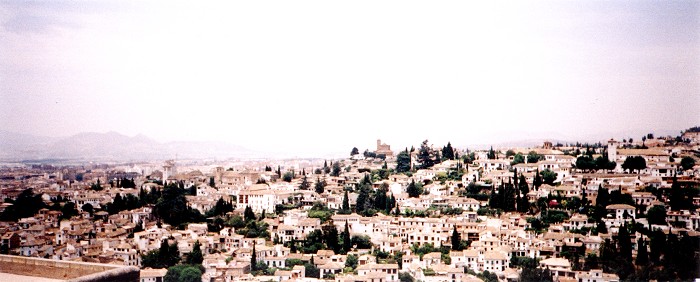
<point x="548" y="176"/>
<point x="320" y="185"/>
<point x="657" y="215"/>
<point x="518" y="159"/>
<point x="536" y="275"/>
<point x="304" y="184"/>
<point x="27" y="204"/>
<point x="406" y="277"/>
<point x="288" y="176"/>
<point x="642" y="255"/>
<point x="634" y="163"/>
<point x="345" y="209"/>
<point x="68" y="210"/>
<point x="687" y="163"/>
<point x="248" y="214"/>
<point x="87" y="207"/>
<point x="336" y="169"/>
<point x="448" y="152"/>
<point x="403" y="162"/>
<point x="351" y="261"/>
<point x="195" y="256"/>
<point x="354" y="151"/>
<point x="413" y="190"/>
<point x="183" y="273"/>
<point x="537" y="181"/>
<point x="253" y="259"/>
<point x="533" y="157"/>
<point x="330" y="238"/>
<point x="624" y="243"/>
<point x="347" y="242"/>
<point x="491" y="155"/>
<point x="456" y="239"/>
<point x="425" y="155"/>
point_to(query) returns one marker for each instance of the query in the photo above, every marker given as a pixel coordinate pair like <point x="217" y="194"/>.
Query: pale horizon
<point x="325" y="77"/>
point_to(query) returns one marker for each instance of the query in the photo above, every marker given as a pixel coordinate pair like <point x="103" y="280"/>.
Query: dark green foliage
<point x="212" y="183"/>
<point x="320" y="211"/>
<point x="248" y="214"/>
<point x="88" y="208"/>
<point x="425" y="156"/>
<point x="406" y="277"/>
<point x="537" y="182"/>
<point x="533" y="157"/>
<point x="253" y="229"/>
<point x="503" y="199"/>
<point x="491" y="155"/>
<point x="657" y="215"/>
<point x="313" y="242"/>
<point x="642" y="255"/>
<point x="634" y="163"/>
<point x="253" y="259"/>
<point x="346" y="204"/>
<point x="288" y="176"/>
<point x="548" y="176"/>
<point x="414" y="190"/>
<point x="487" y="276"/>
<point x="351" y="261"/>
<point x="624" y="244"/>
<point x="354" y="151"/>
<point x="222" y="207"/>
<point x="27" y="204"/>
<point x="320" y="185"/>
<point x="195" y="256"/>
<point x="336" y="169"/>
<point x="172" y="207"/>
<point x="687" y="163"/>
<point x="536" y="275"/>
<point x="681" y="198"/>
<point x="96" y="186"/>
<point x="403" y="162"/>
<point x="518" y="159"/>
<point x="164" y="257"/>
<point x="524" y="262"/>
<point x="361" y="242"/>
<point x="68" y="210"/>
<point x="345" y="237"/>
<point x="448" y="152"/>
<point x="456" y="239"/>
<point x="183" y="273"/>
<point x="305" y="185"/>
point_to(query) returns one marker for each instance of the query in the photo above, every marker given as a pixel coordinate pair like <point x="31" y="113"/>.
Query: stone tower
<point x="612" y="150"/>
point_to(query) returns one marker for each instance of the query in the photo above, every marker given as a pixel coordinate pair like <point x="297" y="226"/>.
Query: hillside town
<point x="615" y="210"/>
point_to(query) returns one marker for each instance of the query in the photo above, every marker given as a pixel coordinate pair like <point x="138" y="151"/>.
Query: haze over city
<point x="324" y="77"/>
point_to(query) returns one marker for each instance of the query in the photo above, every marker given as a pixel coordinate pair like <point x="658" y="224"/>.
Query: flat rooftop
<point x="19" y="269"/>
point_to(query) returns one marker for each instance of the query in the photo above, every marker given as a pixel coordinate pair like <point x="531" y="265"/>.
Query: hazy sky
<point x="329" y="75"/>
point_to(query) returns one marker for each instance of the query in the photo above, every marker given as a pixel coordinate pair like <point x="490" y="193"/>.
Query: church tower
<point x="612" y="150"/>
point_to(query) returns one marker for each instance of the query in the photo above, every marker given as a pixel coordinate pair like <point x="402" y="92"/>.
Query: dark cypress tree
<point x="537" y="182"/>
<point x="642" y="256"/>
<point x="330" y="237"/>
<point x="248" y="214"/>
<point x="346" y="203"/>
<point x="456" y="239"/>
<point x="304" y="183"/>
<point x="253" y="260"/>
<point x="195" y="256"/>
<point x="347" y="243"/>
<point x="624" y="243"/>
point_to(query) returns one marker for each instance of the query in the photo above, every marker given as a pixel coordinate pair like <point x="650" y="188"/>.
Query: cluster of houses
<point x="495" y="240"/>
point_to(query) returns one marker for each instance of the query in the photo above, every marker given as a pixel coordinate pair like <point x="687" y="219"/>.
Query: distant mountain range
<point x="111" y="146"/>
